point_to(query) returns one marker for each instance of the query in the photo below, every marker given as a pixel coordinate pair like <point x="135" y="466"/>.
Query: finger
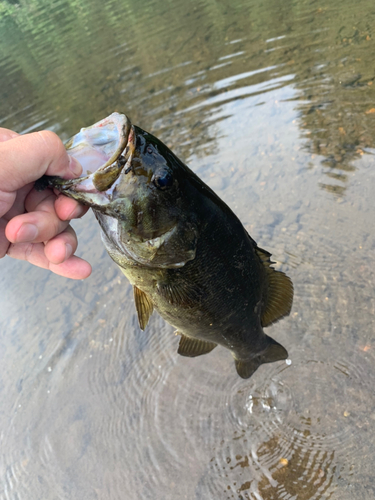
<point x="12" y="204"/>
<point x="4" y="242"/>
<point x="6" y="134"/>
<point x="36" y="200"/>
<point x="62" y="246"/>
<point x="25" y="158"/>
<point x="74" y="267"/>
<point x="68" y="209"/>
<point x="42" y="224"/>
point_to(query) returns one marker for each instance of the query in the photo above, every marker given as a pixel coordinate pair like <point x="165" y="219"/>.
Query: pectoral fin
<point x="184" y="294"/>
<point x="273" y="352"/>
<point x="144" y="307"/>
<point x="194" y="347"/>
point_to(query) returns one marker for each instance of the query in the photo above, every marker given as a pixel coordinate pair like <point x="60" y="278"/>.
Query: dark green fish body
<point x="186" y="253"/>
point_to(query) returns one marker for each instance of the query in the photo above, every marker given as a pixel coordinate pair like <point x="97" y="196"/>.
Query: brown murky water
<point x="272" y="104"/>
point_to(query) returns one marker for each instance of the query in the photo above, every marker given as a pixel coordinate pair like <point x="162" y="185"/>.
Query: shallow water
<point x="272" y="104"/>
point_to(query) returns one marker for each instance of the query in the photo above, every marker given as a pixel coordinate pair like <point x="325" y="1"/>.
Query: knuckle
<point x="52" y="144"/>
<point x="49" y="138"/>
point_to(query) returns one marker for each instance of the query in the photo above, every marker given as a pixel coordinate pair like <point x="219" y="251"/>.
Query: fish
<point x="185" y="252"/>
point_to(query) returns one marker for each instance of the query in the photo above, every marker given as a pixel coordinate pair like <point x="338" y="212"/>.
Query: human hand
<point x="34" y="226"/>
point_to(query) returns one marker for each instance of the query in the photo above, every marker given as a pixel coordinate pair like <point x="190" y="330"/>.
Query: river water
<point x="273" y="105"/>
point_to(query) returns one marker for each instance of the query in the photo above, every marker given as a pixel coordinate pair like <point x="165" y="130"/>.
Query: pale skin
<point x="34" y="226"/>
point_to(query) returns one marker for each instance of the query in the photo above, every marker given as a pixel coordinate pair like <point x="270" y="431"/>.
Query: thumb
<point x="25" y="158"/>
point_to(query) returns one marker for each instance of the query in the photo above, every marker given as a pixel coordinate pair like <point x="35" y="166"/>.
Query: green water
<point x="273" y="105"/>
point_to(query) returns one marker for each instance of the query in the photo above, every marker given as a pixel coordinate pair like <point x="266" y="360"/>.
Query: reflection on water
<point x="271" y="103"/>
<point x="173" y="67"/>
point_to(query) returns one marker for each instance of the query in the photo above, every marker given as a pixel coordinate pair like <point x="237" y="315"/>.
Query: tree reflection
<point x="73" y="64"/>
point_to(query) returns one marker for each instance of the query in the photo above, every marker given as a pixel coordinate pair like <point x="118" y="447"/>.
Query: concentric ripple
<point x="292" y="432"/>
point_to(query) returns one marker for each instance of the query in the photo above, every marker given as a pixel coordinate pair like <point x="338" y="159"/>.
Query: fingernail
<point x="68" y="251"/>
<point x="27" y="232"/>
<point x="74" y="166"/>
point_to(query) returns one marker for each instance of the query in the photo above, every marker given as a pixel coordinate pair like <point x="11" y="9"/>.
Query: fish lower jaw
<point x="85" y="192"/>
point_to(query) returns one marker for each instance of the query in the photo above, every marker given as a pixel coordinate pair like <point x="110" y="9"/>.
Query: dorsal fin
<point x="194" y="347"/>
<point x="279" y="294"/>
<point x="144" y="307"/>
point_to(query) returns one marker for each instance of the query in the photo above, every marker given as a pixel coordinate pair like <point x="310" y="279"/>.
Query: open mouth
<point x="104" y="150"/>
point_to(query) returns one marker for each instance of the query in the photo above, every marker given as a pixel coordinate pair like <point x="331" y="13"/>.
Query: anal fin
<point x="144" y="307"/>
<point x="192" y="347"/>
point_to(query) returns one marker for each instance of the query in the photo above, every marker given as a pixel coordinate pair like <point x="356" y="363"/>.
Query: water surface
<point x="272" y="104"/>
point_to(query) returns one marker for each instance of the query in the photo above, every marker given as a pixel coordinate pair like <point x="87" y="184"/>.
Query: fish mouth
<point x="104" y="150"/>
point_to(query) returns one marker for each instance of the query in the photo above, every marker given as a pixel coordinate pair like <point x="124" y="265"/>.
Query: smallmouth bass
<point x="182" y="248"/>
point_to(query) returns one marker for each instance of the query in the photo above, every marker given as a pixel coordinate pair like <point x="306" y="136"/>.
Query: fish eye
<point x="163" y="180"/>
